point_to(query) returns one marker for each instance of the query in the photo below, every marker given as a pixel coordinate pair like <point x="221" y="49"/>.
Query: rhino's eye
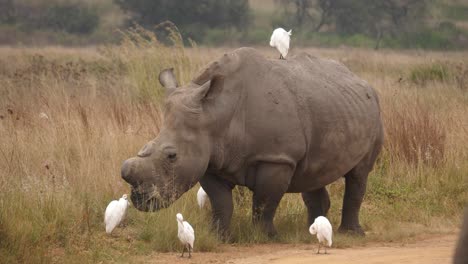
<point x="170" y="153"/>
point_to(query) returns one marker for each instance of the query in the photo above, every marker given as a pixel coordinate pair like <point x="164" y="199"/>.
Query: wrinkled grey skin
<point x="275" y="126"/>
<point x="461" y="252"/>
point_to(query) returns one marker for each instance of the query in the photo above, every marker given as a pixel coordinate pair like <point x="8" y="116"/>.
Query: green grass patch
<point x="433" y="72"/>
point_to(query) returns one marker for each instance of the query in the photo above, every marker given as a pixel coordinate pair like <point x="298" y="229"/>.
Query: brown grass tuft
<point x="415" y="135"/>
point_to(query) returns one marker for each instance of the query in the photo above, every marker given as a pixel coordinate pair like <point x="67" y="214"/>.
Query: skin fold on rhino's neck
<point x="228" y="146"/>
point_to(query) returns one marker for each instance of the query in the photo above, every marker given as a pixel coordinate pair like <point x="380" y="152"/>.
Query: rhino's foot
<point x="223" y="235"/>
<point x="266" y="226"/>
<point x="272" y="233"/>
<point x="356" y="231"/>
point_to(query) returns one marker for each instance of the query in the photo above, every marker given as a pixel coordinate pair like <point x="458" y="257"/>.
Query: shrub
<point x="432" y="72"/>
<point x="456" y="12"/>
<point x="360" y="40"/>
<point x="72" y="18"/>
<point x="260" y="36"/>
<point x="218" y="36"/>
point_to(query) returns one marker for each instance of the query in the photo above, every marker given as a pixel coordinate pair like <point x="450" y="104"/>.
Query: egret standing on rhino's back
<point x="115" y="213"/>
<point x="280" y="40"/>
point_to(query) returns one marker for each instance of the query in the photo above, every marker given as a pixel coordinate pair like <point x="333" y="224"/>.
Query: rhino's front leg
<point x="271" y="182"/>
<point x="317" y="203"/>
<point x="220" y="193"/>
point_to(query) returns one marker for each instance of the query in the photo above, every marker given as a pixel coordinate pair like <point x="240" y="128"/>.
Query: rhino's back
<point x="332" y="115"/>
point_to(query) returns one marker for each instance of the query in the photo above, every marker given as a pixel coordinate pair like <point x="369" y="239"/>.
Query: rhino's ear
<point x="168" y="80"/>
<point x="210" y="89"/>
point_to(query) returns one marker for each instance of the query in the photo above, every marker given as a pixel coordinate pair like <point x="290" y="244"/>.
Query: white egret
<point x="186" y="234"/>
<point x="324" y="231"/>
<point x="201" y="197"/>
<point x="115" y="213"/>
<point x="280" y="40"/>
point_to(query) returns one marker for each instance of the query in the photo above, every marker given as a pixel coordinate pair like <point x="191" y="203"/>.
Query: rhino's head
<point x="178" y="157"/>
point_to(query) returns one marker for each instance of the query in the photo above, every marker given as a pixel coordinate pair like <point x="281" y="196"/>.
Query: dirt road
<point x="437" y="250"/>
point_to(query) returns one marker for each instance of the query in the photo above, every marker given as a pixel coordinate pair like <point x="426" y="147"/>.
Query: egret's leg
<point x="189" y="251"/>
<point x="325" y="249"/>
<point x="281" y="57"/>
<point x="183" y="251"/>
<point x="318" y="250"/>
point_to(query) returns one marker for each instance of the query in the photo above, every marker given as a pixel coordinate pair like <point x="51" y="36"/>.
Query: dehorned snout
<point x="127" y="171"/>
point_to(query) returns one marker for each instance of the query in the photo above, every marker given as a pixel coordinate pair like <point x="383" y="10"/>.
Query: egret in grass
<point x="115" y="213"/>
<point x="280" y="40"/>
<point x="186" y="234"/>
<point x="323" y="229"/>
<point x="201" y="197"/>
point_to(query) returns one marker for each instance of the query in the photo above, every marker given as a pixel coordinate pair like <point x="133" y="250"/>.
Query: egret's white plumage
<point x="323" y="229"/>
<point x="185" y="233"/>
<point x="280" y="40"/>
<point x="115" y="213"/>
<point x="201" y="197"/>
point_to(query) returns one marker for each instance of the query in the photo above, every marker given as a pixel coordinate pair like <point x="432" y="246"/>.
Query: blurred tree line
<point x="72" y="17"/>
<point x="73" y="22"/>
<point x="369" y="23"/>
<point x="193" y="17"/>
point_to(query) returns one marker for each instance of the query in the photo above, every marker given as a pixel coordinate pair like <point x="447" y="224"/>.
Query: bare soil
<point x="436" y="249"/>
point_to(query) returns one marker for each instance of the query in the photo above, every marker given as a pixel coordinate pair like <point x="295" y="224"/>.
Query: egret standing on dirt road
<point x="324" y="231"/>
<point x="186" y="234"/>
<point x="115" y="213"/>
<point x="280" y="40"/>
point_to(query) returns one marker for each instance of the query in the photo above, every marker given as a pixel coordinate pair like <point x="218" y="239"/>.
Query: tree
<point x="72" y="18"/>
<point x="7" y="12"/>
<point x="192" y="17"/>
<point x="301" y="11"/>
<point x="326" y="11"/>
<point x="374" y="18"/>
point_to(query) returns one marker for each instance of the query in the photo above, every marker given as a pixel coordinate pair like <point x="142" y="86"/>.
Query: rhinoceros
<point x="274" y="126"/>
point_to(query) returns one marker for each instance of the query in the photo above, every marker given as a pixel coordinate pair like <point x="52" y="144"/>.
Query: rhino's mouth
<point x="146" y="201"/>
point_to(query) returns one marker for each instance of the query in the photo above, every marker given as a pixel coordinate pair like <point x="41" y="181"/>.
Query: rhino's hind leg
<point x="317" y="203"/>
<point x="220" y="194"/>
<point x="355" y="188"/>
<point x="271" y="182"/>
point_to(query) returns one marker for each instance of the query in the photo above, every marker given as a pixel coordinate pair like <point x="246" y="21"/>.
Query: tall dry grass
<point x="57" y="174"/>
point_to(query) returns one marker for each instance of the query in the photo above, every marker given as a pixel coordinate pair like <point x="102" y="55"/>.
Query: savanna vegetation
<point x="70" y="116"/>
